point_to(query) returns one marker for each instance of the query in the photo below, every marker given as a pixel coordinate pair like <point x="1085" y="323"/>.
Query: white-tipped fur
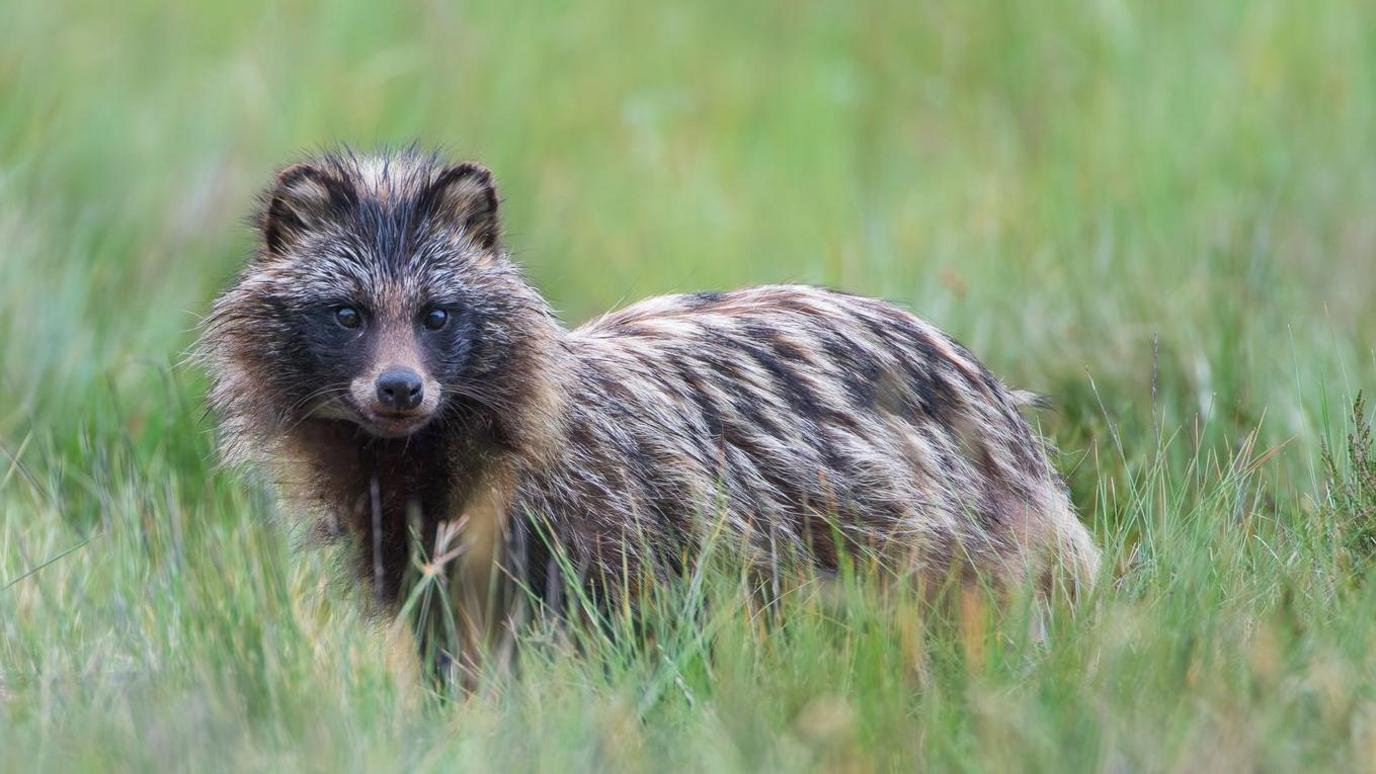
<point x="801" y="420"/>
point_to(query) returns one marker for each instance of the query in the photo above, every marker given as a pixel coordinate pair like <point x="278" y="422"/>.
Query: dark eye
<point x="348" y="317"/>
<point x="435" y="319"/>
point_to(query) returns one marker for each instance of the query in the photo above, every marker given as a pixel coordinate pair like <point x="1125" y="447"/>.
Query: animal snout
<point x="400" y="389"/>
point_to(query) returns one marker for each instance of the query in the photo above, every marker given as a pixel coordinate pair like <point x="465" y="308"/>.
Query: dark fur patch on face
<point x="368" y="263"/>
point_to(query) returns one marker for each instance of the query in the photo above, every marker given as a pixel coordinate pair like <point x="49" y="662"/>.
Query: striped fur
<point x="793" y="420"/>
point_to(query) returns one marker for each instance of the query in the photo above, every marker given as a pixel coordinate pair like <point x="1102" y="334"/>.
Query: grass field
<point x="1161" y="214"/>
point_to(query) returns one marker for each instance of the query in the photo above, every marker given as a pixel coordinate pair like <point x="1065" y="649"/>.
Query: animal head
<point x="379" y="295"/>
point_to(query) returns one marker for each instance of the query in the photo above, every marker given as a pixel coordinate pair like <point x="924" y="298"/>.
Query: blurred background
<point x="1160" y="214"/>
<point x="1166" y="195"/>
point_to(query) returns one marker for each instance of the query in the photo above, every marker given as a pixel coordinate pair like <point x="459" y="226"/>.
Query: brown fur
<point x="783" y="418"/>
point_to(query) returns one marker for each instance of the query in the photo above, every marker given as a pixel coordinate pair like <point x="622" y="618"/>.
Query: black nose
<point x="400" y="389"/>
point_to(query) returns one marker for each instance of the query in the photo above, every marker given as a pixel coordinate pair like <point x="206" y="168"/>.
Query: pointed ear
<point x="301" y="198"/>
<point x="465" y="196"/>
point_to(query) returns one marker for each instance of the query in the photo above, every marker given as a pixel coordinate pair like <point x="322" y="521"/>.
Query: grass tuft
<point x="1350" y="505"/>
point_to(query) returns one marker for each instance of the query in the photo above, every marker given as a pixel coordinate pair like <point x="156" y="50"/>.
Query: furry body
<point x="790" y="420"/>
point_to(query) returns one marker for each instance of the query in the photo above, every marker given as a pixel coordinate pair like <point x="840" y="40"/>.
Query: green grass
<point x="1159" y="213"/>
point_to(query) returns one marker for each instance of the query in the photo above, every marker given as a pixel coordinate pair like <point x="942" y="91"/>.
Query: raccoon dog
<point x="386" y="362"/>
